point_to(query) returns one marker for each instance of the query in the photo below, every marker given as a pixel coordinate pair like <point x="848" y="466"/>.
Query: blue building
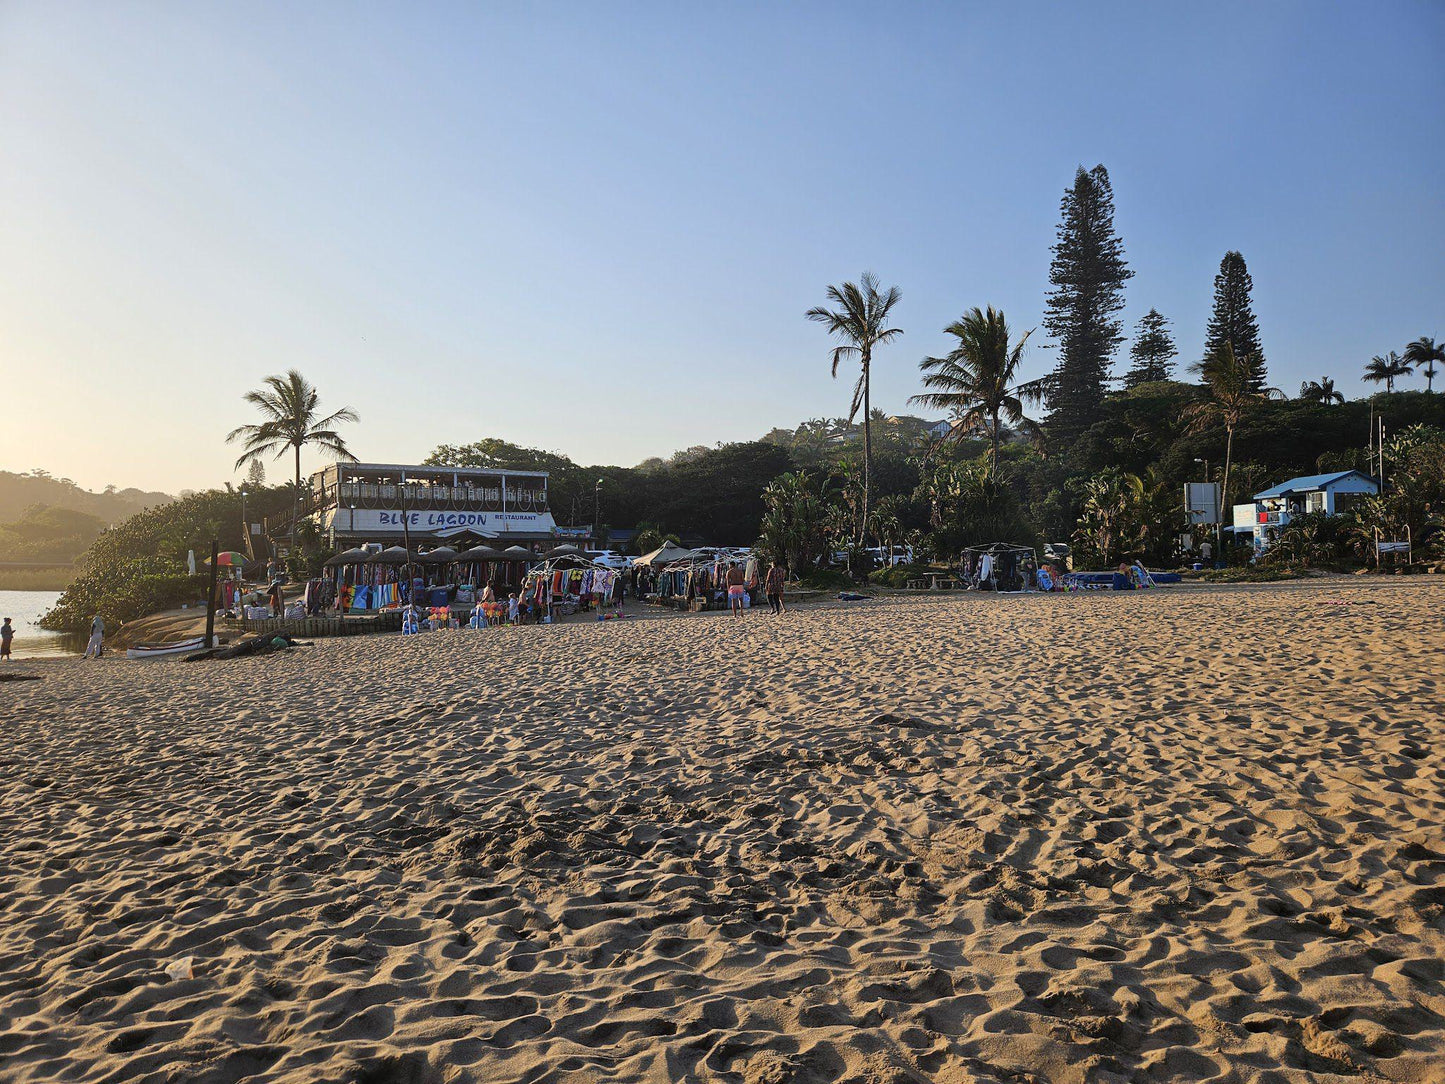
<point x="1274" y="507"/>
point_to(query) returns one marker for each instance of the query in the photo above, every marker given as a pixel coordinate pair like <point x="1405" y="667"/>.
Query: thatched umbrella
<point x="566" y="549"/>
<point x="393" y="555"/>
<point x="348" y="557"/>
<point x="442" y="555"/>
<point x="477" y="554"/>
<point x="518" y="553"/>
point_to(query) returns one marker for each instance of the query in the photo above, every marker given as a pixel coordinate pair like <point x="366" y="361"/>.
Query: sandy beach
<point x="1195" y="834"/>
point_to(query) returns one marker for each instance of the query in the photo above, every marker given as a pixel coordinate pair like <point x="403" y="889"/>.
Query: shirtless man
<point x="736" y="589"/>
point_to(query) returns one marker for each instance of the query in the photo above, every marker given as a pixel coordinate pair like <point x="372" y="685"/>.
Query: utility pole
<point x="406" y="541"/>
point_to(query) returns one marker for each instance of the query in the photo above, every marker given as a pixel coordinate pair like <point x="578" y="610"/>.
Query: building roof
<point x="420" y="470"/>
<point x="1308" y="483"/>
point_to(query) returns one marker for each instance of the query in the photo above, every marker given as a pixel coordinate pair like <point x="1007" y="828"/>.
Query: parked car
<point x="891" y="556"/>
<point x="1060" y="554"/>
<point x="609" y="558"/>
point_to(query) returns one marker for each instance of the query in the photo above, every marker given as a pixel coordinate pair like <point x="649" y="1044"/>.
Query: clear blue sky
<point x="595" y="228"/>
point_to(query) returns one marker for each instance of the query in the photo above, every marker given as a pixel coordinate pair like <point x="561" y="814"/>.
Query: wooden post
<point x="211" y="597"/>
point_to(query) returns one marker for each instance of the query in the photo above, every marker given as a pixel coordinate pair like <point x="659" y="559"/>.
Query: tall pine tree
<point x="1088" y="275"/>
<point x="1152" y="349"/>
<point x="1232" y="320"/>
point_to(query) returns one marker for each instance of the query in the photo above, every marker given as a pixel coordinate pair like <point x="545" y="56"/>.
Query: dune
<point x="1195" y="834"/>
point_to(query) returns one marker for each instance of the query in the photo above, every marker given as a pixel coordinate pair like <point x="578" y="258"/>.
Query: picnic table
<point x="934" y="581"/>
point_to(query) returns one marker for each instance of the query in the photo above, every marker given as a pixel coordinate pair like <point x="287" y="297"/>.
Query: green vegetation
<point x="826" y="579"/>
<point x="1386" y="369"/>
<point x="1232" y="324"/>
<point x="1104" y="471"/>
<point x="976" y="382"/>
<point x="1153" y="351"/>
<point x="1087" y="275"/>
<point x="899" y="575"/>
<point x="48" y="535"/>
<point x="140" y="566"/>
<point x="858" y="319"/>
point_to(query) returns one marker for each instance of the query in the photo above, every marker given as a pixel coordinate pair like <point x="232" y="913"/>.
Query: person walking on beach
<point x="7" y="633"/>
<point x="95" y="647"/>
<point x="736" y="588"/>
<point x="278" y="599"/>
<point x="774" y="585"/>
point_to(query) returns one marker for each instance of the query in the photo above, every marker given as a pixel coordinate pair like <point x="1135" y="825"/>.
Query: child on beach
<point x="513" y="609"/>
<point x="7" y="633"/>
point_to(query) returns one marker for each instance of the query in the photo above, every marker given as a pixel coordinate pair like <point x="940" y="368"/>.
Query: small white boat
<point x="156" y="651"/>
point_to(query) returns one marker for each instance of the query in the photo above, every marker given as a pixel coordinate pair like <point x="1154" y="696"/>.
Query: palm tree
<point x="1227" y="379"/>
<point x="974" y="380"/>
<point x="859" y="318"/>
<point x="1320" y="391"/>
<point x="794" y="527"/>
<point x="288" y="407"/>
<point x="1423" y="353"/>
<point x="888" y="520"/>
<point x="1386" y="369"/>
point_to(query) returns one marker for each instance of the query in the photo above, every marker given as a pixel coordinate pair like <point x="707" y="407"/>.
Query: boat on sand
<point x="154" y="651"/>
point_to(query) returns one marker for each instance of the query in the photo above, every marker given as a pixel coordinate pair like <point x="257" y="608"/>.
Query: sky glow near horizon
<point x="597" y="231"/>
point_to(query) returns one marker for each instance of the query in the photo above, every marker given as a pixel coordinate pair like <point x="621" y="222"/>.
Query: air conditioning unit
<point x="372" y="547"/>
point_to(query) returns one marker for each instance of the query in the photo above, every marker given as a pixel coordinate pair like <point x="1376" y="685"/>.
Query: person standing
<point x="278" y="599"/>
<point x="736" y="588"/>
<point x="95" y="646"/>
<point x="774" y="585"/>
<point x="7" y="633"/>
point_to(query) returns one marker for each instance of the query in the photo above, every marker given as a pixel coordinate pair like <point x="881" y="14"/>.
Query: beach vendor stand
<point x="518" y="559"/>
<point x="567" y="583"/>
<point x="646" y="570"/>
<point x="229" y="589"/>
<point x="345" y="570"/>
<point x="476" y="568"/>
<point x="386" y="574"/>
<point x="698" y="579"/>
<point x="999" y="566"/>
<point x="438" y="566"/>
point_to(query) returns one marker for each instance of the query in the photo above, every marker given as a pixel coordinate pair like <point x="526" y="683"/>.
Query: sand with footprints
<point x="1186" y="835"/>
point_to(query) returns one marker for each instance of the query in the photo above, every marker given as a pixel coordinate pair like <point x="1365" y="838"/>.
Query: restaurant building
<point x="356" y="503"/>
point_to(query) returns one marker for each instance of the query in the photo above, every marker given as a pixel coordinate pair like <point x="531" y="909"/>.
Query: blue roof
<point x="1308" y="482"/>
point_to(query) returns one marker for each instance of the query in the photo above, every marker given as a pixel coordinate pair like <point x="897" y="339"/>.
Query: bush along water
<point x="140" y="565"/>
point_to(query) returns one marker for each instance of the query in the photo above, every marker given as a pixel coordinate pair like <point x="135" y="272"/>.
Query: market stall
<point x="999" y="566"/>
<point x="476" y="568"/>
<point x="567" y="583"/>
<point x="701" y="574"/>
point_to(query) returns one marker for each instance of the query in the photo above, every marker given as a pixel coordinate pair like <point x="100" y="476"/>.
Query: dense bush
<point x="899" y="575"/>
<point x="125" y="592"/>
<point x="827" y="579"/>
<point x="140" y="565"/>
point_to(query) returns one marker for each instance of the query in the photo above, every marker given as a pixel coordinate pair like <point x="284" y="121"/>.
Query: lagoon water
<point x="24" y="608"/>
